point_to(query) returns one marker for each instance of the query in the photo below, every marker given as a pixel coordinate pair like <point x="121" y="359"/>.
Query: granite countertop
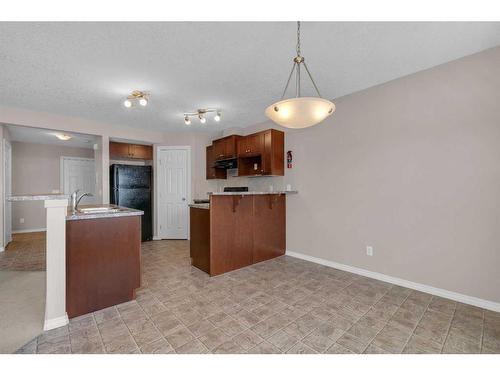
<point x="205" y="206"/>
<point x="253" y="192"/>
<point x="115" y="211"/>
<point x="36" y="197"/>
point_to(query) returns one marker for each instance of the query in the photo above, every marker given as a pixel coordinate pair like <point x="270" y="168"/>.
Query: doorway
<point x="173" y="191"/>
<point x="78" y="173"/>
<point x="7" y="188"/>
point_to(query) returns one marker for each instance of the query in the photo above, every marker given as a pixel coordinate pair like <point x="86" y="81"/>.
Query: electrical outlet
<point x="369" y="251"/>
<point x="21" y="220"/>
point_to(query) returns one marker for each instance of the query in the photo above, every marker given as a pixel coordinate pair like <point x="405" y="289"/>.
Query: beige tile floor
<point x="284" y="305"/>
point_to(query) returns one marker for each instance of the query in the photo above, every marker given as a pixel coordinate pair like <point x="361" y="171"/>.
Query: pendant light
<point x="299" y="112"/>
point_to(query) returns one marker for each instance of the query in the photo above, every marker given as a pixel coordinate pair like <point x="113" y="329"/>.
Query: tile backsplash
<point x="254" y="183"/>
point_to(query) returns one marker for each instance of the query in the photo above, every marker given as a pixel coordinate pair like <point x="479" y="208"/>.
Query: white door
<point x="78" y="173"/>
<point x="173" y="192"/>
<point x="7" y="192"/>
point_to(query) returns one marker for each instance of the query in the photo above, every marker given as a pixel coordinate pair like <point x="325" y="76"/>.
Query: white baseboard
<point x="55" y="322"/>
<point x="485" y="304"/>
<point x="2" y="249"/>
<point x="30" y="230"/>
<point x="156" y="238"/>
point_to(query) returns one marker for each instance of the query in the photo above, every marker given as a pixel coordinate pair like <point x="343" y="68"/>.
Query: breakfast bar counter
<point x="236" y="230"/>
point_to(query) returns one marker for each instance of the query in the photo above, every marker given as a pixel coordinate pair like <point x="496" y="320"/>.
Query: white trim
<point x="56" y="322"/>
<point x="156" y="190"/>
<point x="6" y="145"/>
<point x="485" y="304"/>
<point x="2" y="249"/>
<point x="32" y="230"/>
<point x="156" y="238"/>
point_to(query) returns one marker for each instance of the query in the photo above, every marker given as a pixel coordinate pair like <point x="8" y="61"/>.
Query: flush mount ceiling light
<point x="137" y="97"/>
<point x="63" y="137"/>
<point x="201" y="114"/>
<point x="299" y="112"/>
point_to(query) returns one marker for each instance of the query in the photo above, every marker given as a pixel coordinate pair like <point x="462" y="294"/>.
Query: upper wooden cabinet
<point x="250" y="145"/>
<point x="119" y="150"/>
<point x="213" y="173"/>
<point x="225" y="148"/>
<point x="258" y="154"/>
<point x="262" y="153"/>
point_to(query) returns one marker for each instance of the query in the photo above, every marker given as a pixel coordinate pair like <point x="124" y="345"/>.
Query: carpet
<point x="22" y="308"/>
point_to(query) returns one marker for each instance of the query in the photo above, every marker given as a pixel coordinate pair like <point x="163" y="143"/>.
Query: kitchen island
<point x="103" y="257"/>
<point x="237" y="229"/>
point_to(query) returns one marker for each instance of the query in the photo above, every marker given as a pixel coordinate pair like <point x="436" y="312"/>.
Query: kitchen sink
<point x="98" y="210"/>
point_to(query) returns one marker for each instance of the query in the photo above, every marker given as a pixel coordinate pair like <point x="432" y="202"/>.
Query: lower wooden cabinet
<point x="103" y="263"/>
<point x="237" y="231"/>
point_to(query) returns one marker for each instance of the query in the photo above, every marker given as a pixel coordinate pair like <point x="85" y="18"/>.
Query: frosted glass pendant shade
<point x="302" y="112"/>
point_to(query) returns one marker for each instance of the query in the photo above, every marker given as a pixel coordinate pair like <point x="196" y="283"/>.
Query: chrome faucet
<point x="75" y="199"/>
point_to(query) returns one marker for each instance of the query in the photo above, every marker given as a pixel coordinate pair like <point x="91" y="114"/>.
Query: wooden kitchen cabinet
<point x="251" y="145"/>
<point x="118" y="150"/>
<point x="103" y="263"/>
<point x="262" y="153"/>
<point x="258" y="154"/>
<point x="225" y="148"/>
<point x="213" y="173"/>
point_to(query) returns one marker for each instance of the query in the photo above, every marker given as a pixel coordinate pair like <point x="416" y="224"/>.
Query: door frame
<point x="61" y="172"/>
<point x="156" y="202"/>
<point x="6" y="145"/>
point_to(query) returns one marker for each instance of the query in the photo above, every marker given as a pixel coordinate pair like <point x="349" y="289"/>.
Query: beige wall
<point x="411" y="167"/>
<point x="36" y="169"/>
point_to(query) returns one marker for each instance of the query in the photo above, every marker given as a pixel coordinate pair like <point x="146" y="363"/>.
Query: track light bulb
<point x="127" y="103"/>
<point x="187" y="120"/>
<point x="217" y="117"/>
<point x="143" y="101"/>
<point x="202" y="119"/>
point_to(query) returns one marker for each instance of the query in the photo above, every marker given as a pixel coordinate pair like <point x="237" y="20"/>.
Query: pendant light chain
<point x="298" y="38"/>
<point x="296" y="68"/>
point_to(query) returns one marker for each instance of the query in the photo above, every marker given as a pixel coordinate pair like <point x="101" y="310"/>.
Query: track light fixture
<point x="201" y="114"/>
<point x="137" y="97"/>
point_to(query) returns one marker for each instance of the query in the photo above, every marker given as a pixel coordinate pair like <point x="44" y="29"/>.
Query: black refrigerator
<point x="131" y="186"/>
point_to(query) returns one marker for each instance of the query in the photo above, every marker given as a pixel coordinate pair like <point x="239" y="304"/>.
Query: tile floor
<point x="26" y="252"/>
<point x="284" y="305"/>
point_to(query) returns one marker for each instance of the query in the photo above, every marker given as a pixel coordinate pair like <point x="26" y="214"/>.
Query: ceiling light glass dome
<point x="298" y="113"/>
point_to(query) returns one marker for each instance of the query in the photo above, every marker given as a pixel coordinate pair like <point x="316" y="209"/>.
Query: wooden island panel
<point x="102" y="262"/>
<point x="199" y="242"/>
<point x="269" y="233"/>
<point x="231" y="238"/>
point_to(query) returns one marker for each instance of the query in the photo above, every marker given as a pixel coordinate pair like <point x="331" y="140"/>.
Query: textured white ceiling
<point x="48" y="137"/>
<point x="87" y="69"/>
